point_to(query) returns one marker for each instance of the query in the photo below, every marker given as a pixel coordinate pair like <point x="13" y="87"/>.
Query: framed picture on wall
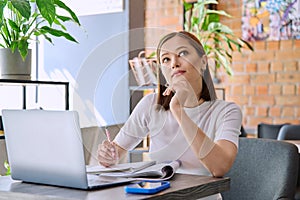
<point x="271" y="20"/>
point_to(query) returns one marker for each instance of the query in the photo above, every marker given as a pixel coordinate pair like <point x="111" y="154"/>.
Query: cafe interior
<point x="254" y="59"/>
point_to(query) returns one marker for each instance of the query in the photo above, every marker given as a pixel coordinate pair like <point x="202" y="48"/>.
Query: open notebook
<point x="150" y="170"/>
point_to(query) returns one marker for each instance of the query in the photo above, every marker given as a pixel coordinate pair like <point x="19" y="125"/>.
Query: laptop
<point x="46" y="147"/>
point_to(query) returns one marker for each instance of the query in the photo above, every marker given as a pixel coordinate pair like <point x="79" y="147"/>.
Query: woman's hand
<point x="107" y="153"/>
<point x="182" y="91"/>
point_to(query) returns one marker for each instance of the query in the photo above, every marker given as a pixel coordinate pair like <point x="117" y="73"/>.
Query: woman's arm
<point x="218" y="157"/>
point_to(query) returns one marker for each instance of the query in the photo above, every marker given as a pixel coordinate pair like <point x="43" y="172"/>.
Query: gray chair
<point x="268" y="131"/>
<point x="264" y="169"/>
<point x="289" y="132"/>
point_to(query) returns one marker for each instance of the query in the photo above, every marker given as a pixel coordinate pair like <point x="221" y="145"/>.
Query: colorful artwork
<point x="271" y="20"/>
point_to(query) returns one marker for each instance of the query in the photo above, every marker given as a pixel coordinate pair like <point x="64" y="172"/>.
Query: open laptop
<point x="46" y="147"/>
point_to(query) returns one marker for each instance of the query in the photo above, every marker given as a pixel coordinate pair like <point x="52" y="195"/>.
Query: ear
<point x="203" y="62"/>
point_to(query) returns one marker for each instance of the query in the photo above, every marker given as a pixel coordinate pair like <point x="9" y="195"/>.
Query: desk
<point x="183" y="186"/>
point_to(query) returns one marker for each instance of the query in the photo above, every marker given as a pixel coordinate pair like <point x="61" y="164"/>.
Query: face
<point x="180" y="61"/>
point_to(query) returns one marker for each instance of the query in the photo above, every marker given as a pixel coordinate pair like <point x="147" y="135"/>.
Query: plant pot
<point x="13" y="67"/>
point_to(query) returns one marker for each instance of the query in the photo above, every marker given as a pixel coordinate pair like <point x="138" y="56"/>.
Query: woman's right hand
<point x="107" y="153"/>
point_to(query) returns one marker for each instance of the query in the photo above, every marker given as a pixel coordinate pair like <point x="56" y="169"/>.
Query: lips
<point x="178" y="73"/>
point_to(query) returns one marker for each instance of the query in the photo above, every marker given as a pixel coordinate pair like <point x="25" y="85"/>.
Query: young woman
<point x="185" y="121"/>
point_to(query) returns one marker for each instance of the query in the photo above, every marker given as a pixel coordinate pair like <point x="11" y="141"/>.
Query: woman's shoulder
<point x="228" y="105"/>
<point x="149" y="99"/>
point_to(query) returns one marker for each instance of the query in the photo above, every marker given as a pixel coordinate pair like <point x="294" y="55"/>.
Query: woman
<point x="185" y="120"/>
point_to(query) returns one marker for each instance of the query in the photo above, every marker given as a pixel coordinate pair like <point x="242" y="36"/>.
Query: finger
<point x="168" y="91"/>
<point x="104" y="154"/>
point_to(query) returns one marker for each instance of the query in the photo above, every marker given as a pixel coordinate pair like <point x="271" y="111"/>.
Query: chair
<point x="289" y="132"/>
<point x="263" y="169"/>
<point x="92" y="137"/>
<point x="243" y="132"/>
<point x="268" y="131"/>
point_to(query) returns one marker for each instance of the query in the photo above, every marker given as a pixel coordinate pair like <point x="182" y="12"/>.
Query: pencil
<point x="107" y="134"/>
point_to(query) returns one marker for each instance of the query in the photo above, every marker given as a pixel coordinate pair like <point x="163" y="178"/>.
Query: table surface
<point x="183" y="186"/>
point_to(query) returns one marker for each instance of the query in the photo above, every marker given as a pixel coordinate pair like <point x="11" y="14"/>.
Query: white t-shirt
<point x="219" y="120"/>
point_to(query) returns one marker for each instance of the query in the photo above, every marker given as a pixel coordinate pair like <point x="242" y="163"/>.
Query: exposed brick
<point x="242" y="79"/>
<point x="276" y="66"/>
<point x="249" y="90"/>
<point x="262" y="100"/>
<point x="251" y="67"/>
<point x="288" y="89"/>
<point x="168" y="21"/>
<point x="237" y="89"/>
<point x="273" y="45"/>
<point x="249" y="110"/>
<point x="296" y="44"/>
<point x="286" y="44"/>
<point x="286" y="120"/>
<point x="262" y="78"/>
<point x="254" y="121"/>
<point x="275" y="89"/>
<point x="298" y="112"/>
<point x="263" y="66"/>
<point x="238" y="67"/>
<point x="239" y="100"/>
<point x="288" y="100"/>
<point x="239" y="57"/>
<point x="262" y="56"/>
<point x="288" y="112"/>
<point x="259" y="45"/>
<point x="288" y="77"/>
<point x="261" y="89"/>
<point x="261" y="111"/>
<point x="290" y="66"/>
<point x="275" y="112"/>
<point x="287" y="54"/>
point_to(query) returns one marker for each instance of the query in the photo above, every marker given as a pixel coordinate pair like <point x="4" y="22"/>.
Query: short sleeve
<point x="229" y="123"/>
<point x="136" y="127"/>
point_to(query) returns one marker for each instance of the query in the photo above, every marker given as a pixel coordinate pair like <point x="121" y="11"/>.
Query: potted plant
<point x="203" y="19"/>
<point x="21" y="22"/>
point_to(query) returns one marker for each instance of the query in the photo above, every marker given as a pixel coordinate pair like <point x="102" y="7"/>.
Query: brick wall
<point x="266" y="82"/>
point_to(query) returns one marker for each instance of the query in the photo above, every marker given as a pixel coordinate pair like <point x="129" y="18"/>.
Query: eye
<point x="182" y="53"/>
<point x="165" y="60"/>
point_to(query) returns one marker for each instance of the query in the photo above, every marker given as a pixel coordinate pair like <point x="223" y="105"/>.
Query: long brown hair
<point x="208" y="92"/>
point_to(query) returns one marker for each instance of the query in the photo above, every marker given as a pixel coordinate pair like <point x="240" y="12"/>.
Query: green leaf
<point x="23" y="7"/>
<point x="247" y="44"/>
<point x="47" y="10"/>
<point x="64" y="18"/>
<point x="66" y="8"/>
<point x="58" y="33"/>
<point x="2" y="5"/>
<point x="187" y="6"/>
<point x="13" y="25"/>
<point x="219" y="12"/>
<point x="23" y="48"/>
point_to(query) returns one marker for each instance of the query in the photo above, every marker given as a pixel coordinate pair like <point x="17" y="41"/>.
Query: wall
<point x="97" y="68"/>
<point x="266" y="83"/>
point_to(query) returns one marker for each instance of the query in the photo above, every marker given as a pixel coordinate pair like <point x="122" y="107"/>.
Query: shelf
<point x="142" y="88"/>
<point x="24" y="83"/>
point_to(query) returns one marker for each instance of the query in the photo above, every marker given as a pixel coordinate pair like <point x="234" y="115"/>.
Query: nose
<point x="175" y="63"/>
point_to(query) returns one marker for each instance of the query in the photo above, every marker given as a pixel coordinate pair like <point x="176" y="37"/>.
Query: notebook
<point x="46" y="147"/>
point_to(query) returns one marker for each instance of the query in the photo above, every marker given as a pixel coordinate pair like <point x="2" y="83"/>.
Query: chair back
<point x="268" y="131"/>
<point x="289" y="132"/>
<point x="263" y="169"/>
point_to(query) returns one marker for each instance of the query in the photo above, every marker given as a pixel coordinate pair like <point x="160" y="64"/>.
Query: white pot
<point x="13" y="67"/>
